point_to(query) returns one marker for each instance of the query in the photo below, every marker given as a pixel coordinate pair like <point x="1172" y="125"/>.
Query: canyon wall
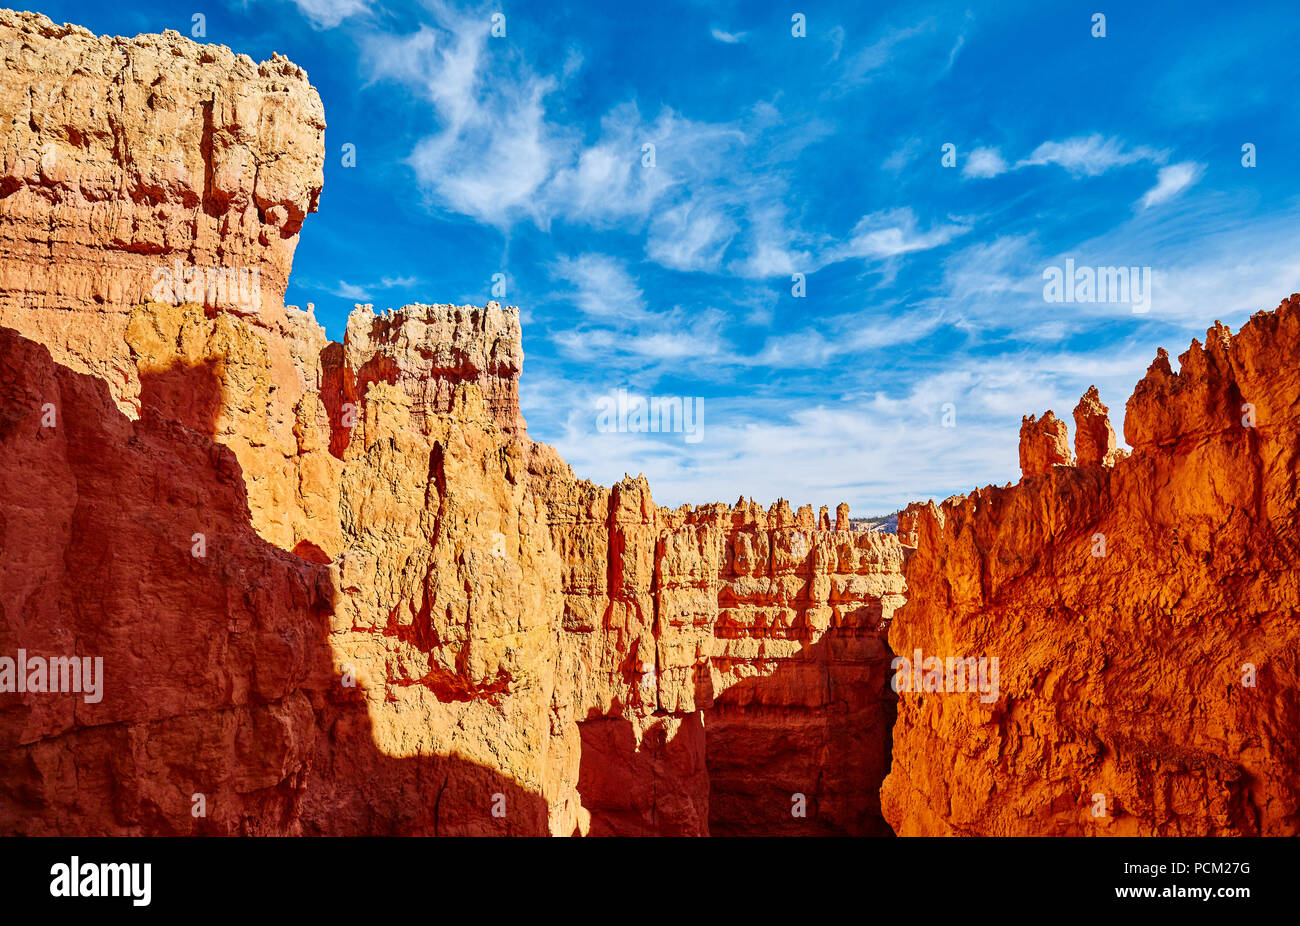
<point x="756" y="638"/>
<point x="776" y="629"/>
<point x="157" y="168"/>
<point x="122" y="158"/>
<point x="1143" y="609"/>
<point x="335" y="587"/>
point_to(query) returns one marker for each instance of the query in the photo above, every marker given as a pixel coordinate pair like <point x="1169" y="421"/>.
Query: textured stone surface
<point x="431" y="348"/>
<point x="336" y="588"/>
<point x="1043" y="444"/>
<point x="1144" y="616"/>
<point x="510" y="630"/>
<point x="793" y="668"/>
<point x="770" y="627"/>
<point x="124" y="158"/>
<point x="1094" y="438"/>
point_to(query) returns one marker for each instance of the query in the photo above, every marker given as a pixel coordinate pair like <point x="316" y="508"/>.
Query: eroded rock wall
<point x="438" y="347"/>
<point x="209" y="660"/>
<point x="776" y="628"/>
<point x="335" y="587"/>
<point x="762" y="625"/>
<point x="1145" y="612"/>
<point x="124" y="158"/>
<point x="157" y="168"/>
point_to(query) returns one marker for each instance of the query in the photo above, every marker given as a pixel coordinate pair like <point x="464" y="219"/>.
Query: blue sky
<point x="774" y="155"/>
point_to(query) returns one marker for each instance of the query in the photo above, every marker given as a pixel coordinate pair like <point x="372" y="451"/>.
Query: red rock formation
<point x="337" y="590"/>
<point x="774" y="633"/>
<point x="403" y="616"/>
<point x="1094" y="438"/>
<point x="156" y="168"/>
<point x="1143" y="616"/>
<point x="124" y="159"/>
<point x="209" y="661"/>
<point x="1043" y="444"/>
<point x="429" y="349"/>
<point x="779" y="636"/>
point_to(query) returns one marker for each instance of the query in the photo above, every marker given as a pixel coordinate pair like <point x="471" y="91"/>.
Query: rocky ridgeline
<point x="1143" y="610"/>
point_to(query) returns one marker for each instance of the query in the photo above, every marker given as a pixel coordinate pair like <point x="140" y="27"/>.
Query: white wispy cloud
<point x="345" y="290"/>
<point x="617" y="332"/>
<point x="1216" y="259"/>
<point x="832" y="447"/>
<point x="843" y="336"/>
<point x="891" y="233"/>
<point x="861" y="66"/>
<point x="956" y="50"/>
<point x="1091" y="155"/>
<point x="692" y="236"/>
<point x="360" y="292"/>
<point x="779" y="249"/>
<point x="709" y="197"/>
<point x="682" y="339"/>
<point x="636" y="165"/>
<point x="326" y="14"/>
<point x="1170" y="181"/>
<point x="902" y="156"/>
<point x="730" y="38"/>
<point x="494" y="148"/>
<point x="984" y="162"/>
<point x="498" y="157"/>
<point x="602" y="286"/>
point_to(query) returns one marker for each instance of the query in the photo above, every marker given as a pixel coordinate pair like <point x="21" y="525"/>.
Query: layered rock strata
<point x="335" y="587"/>
<point x="154" y="168"/>
<point x="475" y="622"/>
<point x="771" y="627"/>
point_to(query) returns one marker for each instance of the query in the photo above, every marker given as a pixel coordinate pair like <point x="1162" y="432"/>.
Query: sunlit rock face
<point x="1142" y="610"/>
<point x="335" y="588"/>
<point x="141" y="168"/>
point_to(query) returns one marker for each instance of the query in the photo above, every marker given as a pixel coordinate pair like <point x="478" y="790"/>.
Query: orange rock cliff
<point x="337" y="589"/>
<point x="1143" y="610"/>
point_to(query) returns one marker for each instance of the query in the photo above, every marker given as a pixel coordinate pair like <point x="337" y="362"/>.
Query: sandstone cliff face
<point x="776" y="629"/>
<point x="1144" y="615"/>
<point x="122" y="158"/>
<point x="156" y="168"/>
<point x="438" y="347"/>
<point x="1094" y="438"/>
<point x="335" y="587"/>
<point x="1044" y="443"/>
<point x="772" y="628"/>
<point x="475" y="622"/>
